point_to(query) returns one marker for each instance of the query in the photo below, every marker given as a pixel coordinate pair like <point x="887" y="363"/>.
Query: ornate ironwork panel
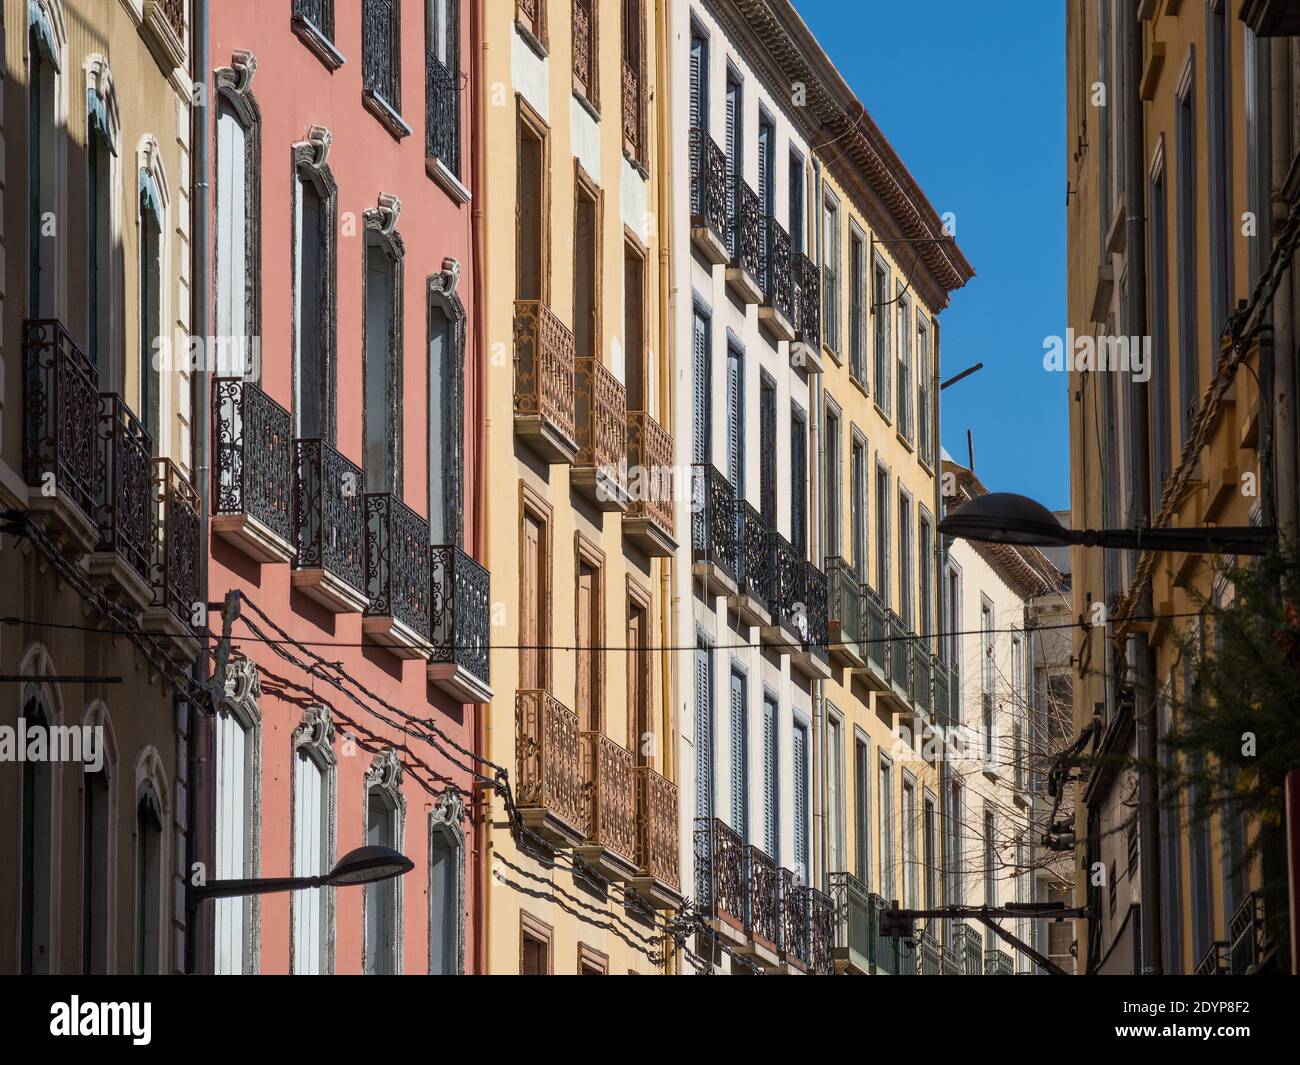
<point x="754" y="576"/>
<point x="397" y="562"/>
<point x="708" y="184"/>
<point x="778" y="283"/>
<point x="1246" y="935"/>
<point x="320" y="13"/>
<point x="175" y="12"/>
<point x="855" y="930"/>
<point x="608" y="785"/>
<point x="544" y="366"/>
<point x="998" y="963"/>
<point x="656" y="828"/>
<point x="381" y="51"/>
<point x="942" y="692"/>
<point x="126" y="520"/>
<point x="844" y="603"/>
<point x="969" y="949"/>
<point x="897" y="658"/>
<point x="922" y="675"/>
<point x="713" y="528"/>
<point x="929" y="955"/>
<point x="252" y="470"/>
<point x="442" y="113"/>
<point x="60" y="414"/>
<point x="762" y="895"/>
<point x="745" y="233"/>
<point x="584" y="66"/>
<point x="1216" y="961"/>
<point x="328" y="521"/>
<point x="459" y="610"/>
<point x="549" y="757"/>
<point x="720" y="876"/>
<point x="632" y="108"/>
<point x="821" y="913"/>
<point x="176" y="546"/>
<point x="601" y="417"/>
<point x="814" y="597"/>
<point x="906" y="957"/>
<point x="785" y="583"/>
<point x="877" y="646"/>
<point x="808" y="306"/>
<point x="796" y="927"/>
<point x="650" y="470"/>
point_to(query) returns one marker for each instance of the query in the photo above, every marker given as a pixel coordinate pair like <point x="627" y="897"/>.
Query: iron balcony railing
<point x="650" y="464"/>
<point x="877" y="642"/>
<point x="610" y="794"/>
<point x="845" y="607"/>
<point x="442" y="113"/>
<point x="754" y="560"/>
<point x="808" y="307"/>
<point x="320" y="13"/>
<point x="632" y="108"/>
<point x="884" y="952"/>
<point x="896" y="652"/>
<point x="397" y="563"/>
<point x="548" y="751"/>
<point x="176" y="544"/>
<point x="713" y="524"/>
<point x="922" y="676"/>
<point x="544" y="367"/>
<point x="950" y="961"/>
<point x="822" y="917"/>
<point x="174" y="10"/>
<point x="855" y="927"/>
<point x="708" y="184"/>
<point x="796" y="921"/>
<point x="998" y="963"/>
<point x="252" y="471"/>
<point x="459" y="609"/>
<point x="126" y="520"/>
<point x="1246" y="936"/>
<point x="720" y="878"/>
<point x="969" y="950"/>
<point x="601" y="421"/>
<point x="745" y="237"/>
<point x="381" y="51"/>
<point x="1216" y="961"/>
<point x="785" y="584"/>
<point x="943" y="692"/>
<point x="329" y="524"/>
<point x="907" y="957"/>
<point x="60" y="415"/>
<point x="656" y="827"/>
<point x="929" y="954"/>
<point x="778" y="281"/>
<point x="762" y="896"/>
<point x="815" y="596"/>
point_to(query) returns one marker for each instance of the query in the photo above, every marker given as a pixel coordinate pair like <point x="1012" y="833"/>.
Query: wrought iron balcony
<point x="845" y="614"/>
<point x="855" y="929"/>
<point x="950" y="961"/>
<point x="1246" y="936"/>
<point x="884" y="952"/>
<point x="777" y="312"/>
<point x="1216" y="961"/>
<point x="381" y="64"/>
<point x="796" y="922"/>
<point x="329" y="528"/>
<point x="929" y="954"/>
<point x="822" y="916"/>
<point x="600" y="465"/>
<point x="313" y="24"/>
<point x="969" y="949"/>
<point x="943" y="693"/>
<point x="998" y="963"/>
<point x="124" y="557"/>
<point x="762" y="898"/>
<point x="252" y="471"/>
<point x="459" y="608"/>
<point x="658" y="878"/>
<point x="610" y="798"/>
<point x="648" y="521"/>
<point x="753" y="567"/>
<point x="176" y="558"/>
<point x="922" y="676"/>
<point x="808" y="310"/>
<point x="713" y="530"/>
<point x="720" y="877"/>
<point x="441" y="118"/>
<point x="907" y="958"/>
<point x="397" y="577"/>
<point x="745" y="241"/>
<point x="544" y="382"/>
<point x="552" y="797"/>
<point x="60" y="430"/>
<point x="785" y="595"/>
<point x="877" y="637"/>
<point x="709" y="208"/>
<point x="632" y="108"/>
<point x="898" y="658"/>
<point x="812" y="658"/>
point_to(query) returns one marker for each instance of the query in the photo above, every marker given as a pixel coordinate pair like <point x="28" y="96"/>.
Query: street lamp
<point x="365" y="865"/>
<point x="1007" y="518"/>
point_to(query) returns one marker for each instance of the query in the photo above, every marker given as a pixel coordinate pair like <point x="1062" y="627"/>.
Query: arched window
<point x="238" y="231"/>
<point x="37" y="851"/>
<point x="44" y="51"/>
<point x="385" y="816"/>
<point x="151" y="316"/>
<point x="313" y="841"/>
<point x="237" y="834"/>
<point x="446" y="407"/>
<point x="447" y="887"/>
<point x="98" y="839"/>
<point x="383" y="348"/>
<point x="103" y="127"/>
<point x="314" y="255"/>
<point x="150" y="859"/>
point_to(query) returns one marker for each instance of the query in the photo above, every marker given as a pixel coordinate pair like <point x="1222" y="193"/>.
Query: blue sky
<point x="972" y="98"/>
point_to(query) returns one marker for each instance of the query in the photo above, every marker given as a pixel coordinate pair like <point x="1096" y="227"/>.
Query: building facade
<point x="97" y="481"/>
<point x="347" y="484"/>
<point x="581" y="505"/>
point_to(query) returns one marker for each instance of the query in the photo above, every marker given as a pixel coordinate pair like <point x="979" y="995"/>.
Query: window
<point x="101" y="195"/>
<point x="930" y="852"/>
<point x="592" y="962"/>
<point x="1218" y="62"/>
<point x="236" y="266"/>
<point x="771" y="778"/>
<point x="320" y="13"/>
<point x="447" y="887"/>
<point x="739" y="756"/>
<point x="796" y="203"/>
<point x="987" y="666"/>
<point x="862" y="815"/>
<point x="953" y="623"/>
<point x="446" y="377"/>
<point x="834" y="507"/>
<point x="904" y="365"/>
<point x="1171" y="858"/>
<point x="766" y="164"/>
<point x="767" y="449"/>
<point x="888" y="881"/>
<point x="42" y="167"/>
<point x="534" y="940"/>
<point x="924" y="372"/>
<point x="736" y="420"/>
<point x="857" y="305"/>
<point x="383" y="359"/>
<point x="990" y="869"/>
<point x="442" y="86"/>
<point x="1188" y="219"/>
<point x="858" y="504"/>
<point x="589" y="637"/>
<point x="699" y="80"/>
<point x="634" y="80"/>
<point x="834" y="791"/>
<point x="586" y="51"/>
<point x="637" y="372"/>
<point x="703" y="729"/>
<point x="385" y="806"/>
<point x="735" y="146"/>
<point x="151" y="321"/>
<point x="909" y="843"/>
<point x="831" y="272"/>
<point x="313" y="842"/>
<point x="882" y="534"/>
<point x="954" y="846"/>
<point x="1161" y="452"/>
<point x="802" y="838"/>
<point x="799" y="481"/>
<point x="314" y="252"/>
<point x="148" y="880"/>
<point x="98" y="839"/>
<point x="906" y="562"/>
<point x="237" y="797"/>
<point x="531" y="230"/>
<point x="641" y="727"/>
<point x="530" y="15"/>
<point x="37" y="796"/>
<point x="1017" y="711"/>
<point x="535" y="595"/>
<point x="702" y="396"/>
<point x="880" y="311"/>
<point x="586" y="269"/>
<point x="925" y="566"/>
<point x="381" y="53"/>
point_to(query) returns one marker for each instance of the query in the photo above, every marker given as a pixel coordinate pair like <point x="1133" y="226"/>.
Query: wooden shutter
<point x="739" y="759"/>
<point x="796" y="203"/>
<point x="767" y="444"/>
<point x="799" y="752"/>
<point x="703" y="731"/>
<point x="771" y="768"/>
<point x="638" y="682"/>
<point x="699" y="83"/>
<point x="587" y="637"/>
<point x="734" y="130"/>
<point x="765" y="191"/>
<point x="735" y="428"/>
<point x="530" y="606"/>
<point x="702" y="392"/>
<point x="799" y="483"/>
